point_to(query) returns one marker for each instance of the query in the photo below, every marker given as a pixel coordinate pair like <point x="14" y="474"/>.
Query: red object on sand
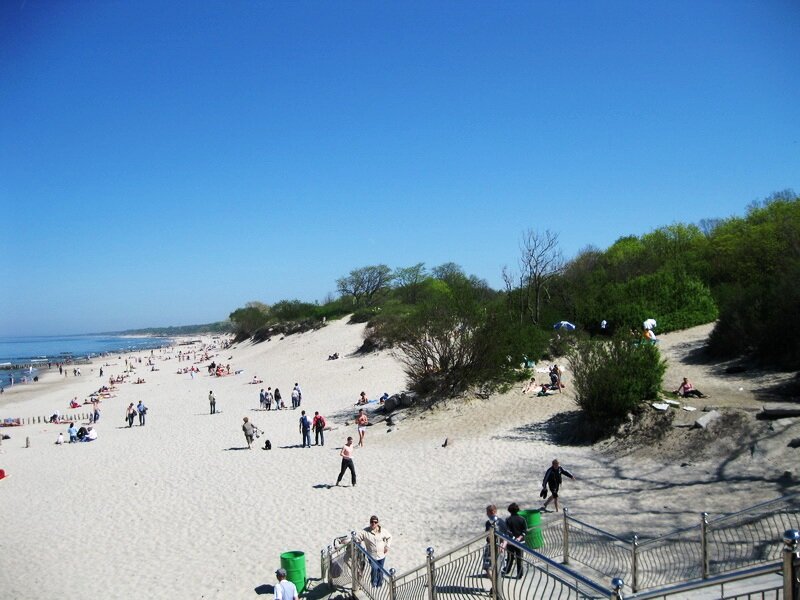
<point x="2" y="474"/>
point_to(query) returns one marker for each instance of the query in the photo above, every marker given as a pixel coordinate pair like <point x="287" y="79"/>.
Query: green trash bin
<point x="295" y="564"/>
<point x="533" y="519"/>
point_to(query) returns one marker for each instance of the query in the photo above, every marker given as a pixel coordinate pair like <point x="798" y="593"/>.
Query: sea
<point x="33" y="353"/>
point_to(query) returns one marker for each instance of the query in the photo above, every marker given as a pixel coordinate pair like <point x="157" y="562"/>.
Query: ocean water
<point x="44" y="349"/>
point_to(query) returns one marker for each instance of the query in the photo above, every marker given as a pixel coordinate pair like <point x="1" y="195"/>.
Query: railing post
<point x="355" y="575"/>
<point x="704" y="543"/>
<point x="565" y="553"/>
<point x="616" y="586"/>
<point x="431" y="582"/>
<point x="634" y="564"/>
<point x="392" y="585"/>
<point x="494" y="571"/>
<point x="791" y="565"/>
<point x="330" y="570"/>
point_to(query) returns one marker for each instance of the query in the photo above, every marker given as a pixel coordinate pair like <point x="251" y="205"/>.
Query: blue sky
<point x="163" y="163"/>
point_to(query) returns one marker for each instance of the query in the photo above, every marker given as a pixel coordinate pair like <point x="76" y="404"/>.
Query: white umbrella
<point x="649" y="324"/>
<point x="564" y="325"/>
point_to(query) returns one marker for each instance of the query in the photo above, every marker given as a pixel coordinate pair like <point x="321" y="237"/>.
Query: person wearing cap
<point x="376" y="542"/>
<point x="284" y="589"/>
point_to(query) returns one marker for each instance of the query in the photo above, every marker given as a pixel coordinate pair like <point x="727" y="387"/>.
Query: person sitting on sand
<point x="687" y="390"/>
<point x="530" y="386"/>
<point x="91" y="435"/>
<point x="73" y="433"/>
<point x="362" y="399"/>
<point x="384" y="398"/>
<point x="543" y="391"/>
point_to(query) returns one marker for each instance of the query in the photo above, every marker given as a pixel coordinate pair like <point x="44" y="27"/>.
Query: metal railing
<point x="721" y="545"/>
<point x="472" y="570"/>
<point x="693" y="558"/>
<point x="750" y="536"/>
<point x="767" y="580"/>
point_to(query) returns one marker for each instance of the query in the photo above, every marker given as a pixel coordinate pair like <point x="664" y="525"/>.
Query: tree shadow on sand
<point x="569" y="428"/>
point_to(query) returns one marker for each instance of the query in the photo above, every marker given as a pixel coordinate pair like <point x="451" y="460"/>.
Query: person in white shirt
<point x="91" y="435"/>
<point x="284" y="589"/>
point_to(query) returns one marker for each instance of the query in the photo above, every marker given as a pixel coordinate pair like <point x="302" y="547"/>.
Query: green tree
<point x="249" y="319"/>
<point x="366" y="284"/>
<point x="613" y="378"/>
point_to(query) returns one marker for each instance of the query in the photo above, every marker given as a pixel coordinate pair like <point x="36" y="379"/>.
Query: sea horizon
<point x="20" y="355"/>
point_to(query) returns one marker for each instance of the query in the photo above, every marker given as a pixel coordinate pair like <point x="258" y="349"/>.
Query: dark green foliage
<point x="612" y="378"/>
<point x="756" y="278"/>
<point x="246" y="321"/>
<point x="292" y="310"/>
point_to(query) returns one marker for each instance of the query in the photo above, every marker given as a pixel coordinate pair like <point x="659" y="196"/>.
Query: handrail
<point x="766" y="569"/>
<point x="754" y="507"/>
<point x="597" y="529"/>
<point x="556" y="565"/>
<point x="670" y="534"/>
<point x="450" y="551"/>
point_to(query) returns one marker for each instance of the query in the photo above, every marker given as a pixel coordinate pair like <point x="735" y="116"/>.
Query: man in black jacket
<point x="552" y="479"/>
<point x="516" y="528"/>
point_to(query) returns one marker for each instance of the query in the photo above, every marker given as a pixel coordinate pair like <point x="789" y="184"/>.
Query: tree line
<point x="455" y="331"/>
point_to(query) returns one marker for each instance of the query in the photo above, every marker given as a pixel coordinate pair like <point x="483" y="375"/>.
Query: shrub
<point x="613" y="378"/>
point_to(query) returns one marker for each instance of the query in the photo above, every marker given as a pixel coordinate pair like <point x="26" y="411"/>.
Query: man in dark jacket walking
<point x="552" y="480"/>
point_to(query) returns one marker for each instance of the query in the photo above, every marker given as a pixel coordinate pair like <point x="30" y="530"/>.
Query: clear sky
<point x="163" y="163"/>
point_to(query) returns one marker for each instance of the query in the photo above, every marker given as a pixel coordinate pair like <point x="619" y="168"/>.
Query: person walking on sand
<point x="297" y="396"/>
<point x="131" y="414"/>
<point x="212" y="401"/>
<point x="376" y="542"/>
<point x="516" y="528"/>
<point x="262" y="397"/>
<point x="362" y="421"/>
<point x="347" y="462"/>
<point x="249" y="430"/>
<point x="278" y="400"/>
<point x="284" y="589"/>
<point x="142" y="410"/>
<point x="305" y="430"/>
<point x="552" y="479"/>
<point x="318" y="425"/>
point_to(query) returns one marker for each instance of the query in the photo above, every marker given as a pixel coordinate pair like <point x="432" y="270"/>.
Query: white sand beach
<point x="180" y="508"/>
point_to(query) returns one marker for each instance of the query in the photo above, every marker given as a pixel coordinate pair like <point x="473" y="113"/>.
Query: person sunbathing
<point x="687" y="390"/>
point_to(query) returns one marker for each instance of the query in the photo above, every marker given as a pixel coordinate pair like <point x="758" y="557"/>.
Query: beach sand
<point x="181" y="509"/>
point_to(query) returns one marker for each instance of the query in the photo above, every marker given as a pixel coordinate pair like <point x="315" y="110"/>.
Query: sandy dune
<point x="181" y="509"/>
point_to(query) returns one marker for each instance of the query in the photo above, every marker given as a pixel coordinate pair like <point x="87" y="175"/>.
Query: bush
<point x="613" y="378"/>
